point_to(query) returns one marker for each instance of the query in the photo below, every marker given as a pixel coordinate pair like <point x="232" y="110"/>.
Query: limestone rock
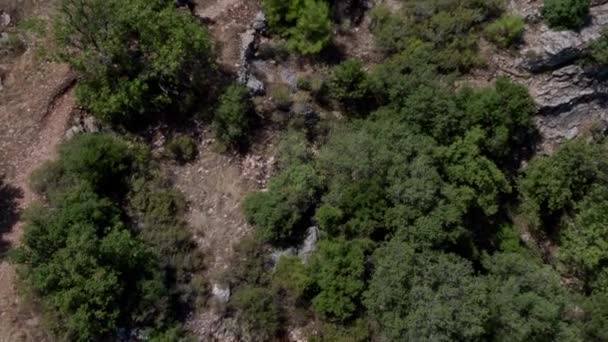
<point x="310" y="243"/>
<point x="259" y="23"/>
<point x="220" y="293"/>
<point x="548" y="49"/>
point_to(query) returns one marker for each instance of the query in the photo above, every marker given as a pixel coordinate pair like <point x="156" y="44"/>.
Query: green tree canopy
<point x="425" y="296"/>
<point x="134" y="58"/>
<point x="339" y="268"/>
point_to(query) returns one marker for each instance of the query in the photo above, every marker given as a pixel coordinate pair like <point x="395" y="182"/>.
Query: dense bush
<point x="565" y="14"/>
<point x="339" y="269"/>
<point x="97" y="266"/>
<point x="305" y="23"/>
<point x="554" y="184"/>
<point x="349" y="85"/>
<point x="182" y="149"/>
<point x="278" y="211"/>
<point x="584" y="240"/>
<point x="232" y="119"/>
<point x="448" y="26"/>
<point x="505" y="31"/>
<point x="426" y="296"/>
<point x="134" y="58"/>
<point x="598" y="50"/>
<point x="258" y="312"/>
<point x="526" y="300"/>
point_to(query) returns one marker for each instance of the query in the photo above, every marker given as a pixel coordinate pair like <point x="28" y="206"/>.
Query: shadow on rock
<point x="9" y="212"/>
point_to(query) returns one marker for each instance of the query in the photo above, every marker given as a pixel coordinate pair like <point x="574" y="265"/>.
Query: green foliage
<point x="292" y="276"/>
<point x="505" y="114"/>
<point x="339" y="268"/>
<point x="312" y="31"/>
<point x="232" y="119"/>
<point x="596" y="317"/>
<point x="134" y="58"/>
<point x="584" y="241"/>
<point x="565" y="14"/>
<point x="448" y="26"/>
<point x="598" y="50"/>
<point x="281" y="96"/>
<point x="305" y="23"/>
<point x="349" y="85"/>
<point x="103" y="161"/>
<point x="83" y="262"/>
<point x="278" y="212"/>
<point x="96" y="265"/>
<point x="526" y="300"/>
<point x="293" y="150"/>
<point x="552" y="184"/>
<point x="425" y="296"/>
<point x="505" y="31"/>
<point x="508" y="240"/>
<point x="355" y="332"/>
<point x="258" y="312"/>
<point x="182" y="149"/>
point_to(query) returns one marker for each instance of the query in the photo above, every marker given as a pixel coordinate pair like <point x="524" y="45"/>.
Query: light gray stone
<point x="310" y="243"/>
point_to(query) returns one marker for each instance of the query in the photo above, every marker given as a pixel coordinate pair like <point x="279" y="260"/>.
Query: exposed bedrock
<point x="572" y="99"/>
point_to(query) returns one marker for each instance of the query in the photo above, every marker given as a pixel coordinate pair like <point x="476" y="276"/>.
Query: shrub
<point x="182" y="149"/>
<point x="447" y="25"/>
<point x="278" y="211"/>
<point x="152" y="58"/>
<point x="304" y="84"/>
<point x="565" y="14"/>
<point x="506" y="31"/>
<point x="232" y="119"/>
<point x="553" y="184"/>
<point x="339" y="270"/>
<point x="305" y="23"/>
<point x="281" y="96"/>
<point x="598" y="50"/>
<point x="258" y="312"/>
<point x="292" y="276"/>
<point x="84" y="263"/>
<point x="97" y="266"/>
<point x="312" y="31"/>
<point x="101" y="160"/>
<point x="349" y="85"/>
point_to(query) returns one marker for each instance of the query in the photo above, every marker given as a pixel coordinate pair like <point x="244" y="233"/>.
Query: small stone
<point x="222" y="294"/>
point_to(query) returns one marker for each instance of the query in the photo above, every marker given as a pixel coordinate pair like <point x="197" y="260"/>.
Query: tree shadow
<point x="9" y="212"/>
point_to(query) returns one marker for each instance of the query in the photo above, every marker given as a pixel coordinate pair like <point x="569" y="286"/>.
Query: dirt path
<point x="35" y="107"/>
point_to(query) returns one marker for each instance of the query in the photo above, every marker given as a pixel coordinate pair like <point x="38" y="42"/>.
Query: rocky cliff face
<point x="572" y="99"/>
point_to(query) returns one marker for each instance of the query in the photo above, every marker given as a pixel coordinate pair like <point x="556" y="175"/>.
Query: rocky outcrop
<point x="571" y="99"/>
<point x="547" y="49"/>
<point x="248" y="47"/>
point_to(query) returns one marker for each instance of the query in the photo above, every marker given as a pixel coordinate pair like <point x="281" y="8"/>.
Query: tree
<point x="349" y="85"/>
<point x="232" y="119"/>
<point x="565" y="14"/>
<point x="425" y="296"/>
<point x="135" y="58"/>
<point x="526" y="300"/>
<point x="552" y="184"/>
<point x="339" y="270"/>
<point x="96" y="265"/>
<point x="584" y="240"/>
<point x="84" y="263"/>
